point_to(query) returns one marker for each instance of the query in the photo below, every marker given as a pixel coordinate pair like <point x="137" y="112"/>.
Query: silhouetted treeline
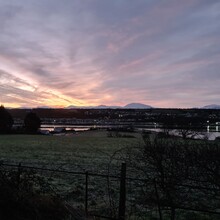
<point x="31" y="122"/>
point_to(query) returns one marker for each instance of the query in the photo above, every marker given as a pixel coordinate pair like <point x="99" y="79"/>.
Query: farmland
<point x="83" y="150"/>
<point x="159" y="159"/>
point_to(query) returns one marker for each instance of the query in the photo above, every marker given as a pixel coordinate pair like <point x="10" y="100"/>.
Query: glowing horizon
<point x="94" y="52"/>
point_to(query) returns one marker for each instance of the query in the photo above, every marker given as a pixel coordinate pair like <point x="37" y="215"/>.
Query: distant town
<point x="138" y="117"/>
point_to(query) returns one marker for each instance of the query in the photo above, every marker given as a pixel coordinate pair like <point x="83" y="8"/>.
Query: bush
<point x="23" y="197"/>
<point x="179" y="173"/>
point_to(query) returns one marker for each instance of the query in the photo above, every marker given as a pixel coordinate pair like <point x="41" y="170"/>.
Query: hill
<point x="138" y="105"/>
<point x="213" y="106"/>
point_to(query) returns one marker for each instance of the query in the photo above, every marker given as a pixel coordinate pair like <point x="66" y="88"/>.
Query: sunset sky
<point x="163" y="53"/>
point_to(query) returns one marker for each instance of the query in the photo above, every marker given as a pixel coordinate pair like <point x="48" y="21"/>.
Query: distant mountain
<point x="137" y="105"/>
<point x="71" y="106"/>
<point x="44" y="106"/>
<point x="92" y="107"/>
<point x="213" y="106"/>
<point x="38" y="107"/>
<point x="106" y="106"/>
<point x="131" y="106"/>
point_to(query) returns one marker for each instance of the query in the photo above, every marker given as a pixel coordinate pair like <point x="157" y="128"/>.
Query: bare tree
<point x="179" y="173"/>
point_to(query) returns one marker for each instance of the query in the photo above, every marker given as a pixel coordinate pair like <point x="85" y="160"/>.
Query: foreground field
<point x="157" y="187"/>
<point x="90" y="150"/>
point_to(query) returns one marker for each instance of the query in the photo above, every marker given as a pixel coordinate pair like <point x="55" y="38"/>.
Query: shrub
<point x="23" y="196"/>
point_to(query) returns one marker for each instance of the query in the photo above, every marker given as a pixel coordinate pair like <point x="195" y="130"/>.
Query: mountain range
<point x="133" y="106"/>
<point x="128" y="106"/>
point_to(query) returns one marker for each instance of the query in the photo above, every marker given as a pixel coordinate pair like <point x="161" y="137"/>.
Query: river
<point x="210" y="132"/>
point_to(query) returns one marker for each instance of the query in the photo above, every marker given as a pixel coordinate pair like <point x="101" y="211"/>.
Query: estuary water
<point x="209" y="133"/>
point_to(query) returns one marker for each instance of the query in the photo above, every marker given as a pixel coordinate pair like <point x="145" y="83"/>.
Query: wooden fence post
<point x="86" y="193"/>
<point x="158" y="200"/>
<point x="19" y="176"/>
<point x="122" y="199"/>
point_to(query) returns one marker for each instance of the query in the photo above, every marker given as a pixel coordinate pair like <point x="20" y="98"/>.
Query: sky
<point x="163" y="53"/>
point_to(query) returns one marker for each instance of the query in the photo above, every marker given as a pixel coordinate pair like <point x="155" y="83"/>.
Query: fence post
<point x="158" y="200"/>
<point x="122" y="199"/>
<point x="86" y="193"/>
<point x="19" y="176"/>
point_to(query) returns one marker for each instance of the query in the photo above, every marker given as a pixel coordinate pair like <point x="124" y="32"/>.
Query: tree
<point x="179" y="175"/>
<point x="32" y="122"/>
<point x="6" y="120"/>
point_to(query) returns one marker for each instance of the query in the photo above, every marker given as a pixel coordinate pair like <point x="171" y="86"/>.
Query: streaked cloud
<point x="73" y="52"/>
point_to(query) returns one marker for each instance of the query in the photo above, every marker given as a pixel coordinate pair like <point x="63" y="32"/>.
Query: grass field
<point x="90" y="150"/>
<point x="83" y="151"/>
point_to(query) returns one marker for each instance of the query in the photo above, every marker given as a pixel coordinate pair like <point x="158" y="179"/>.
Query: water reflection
<point x="210" y="132"/>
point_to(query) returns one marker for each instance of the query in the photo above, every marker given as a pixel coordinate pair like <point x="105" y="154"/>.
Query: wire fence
<point x="122" y="197"/>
